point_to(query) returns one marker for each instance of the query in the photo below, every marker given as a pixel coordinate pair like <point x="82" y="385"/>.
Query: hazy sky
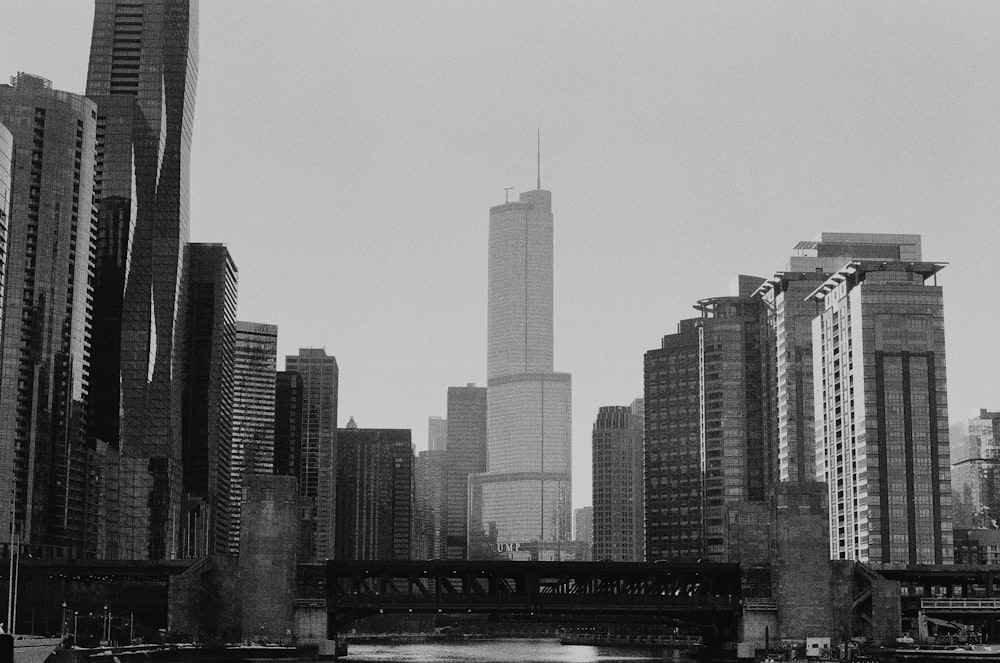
<point x="348" y="153"/>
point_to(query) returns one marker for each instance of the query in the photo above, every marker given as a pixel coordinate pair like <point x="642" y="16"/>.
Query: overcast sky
<point x="348" y="154"/>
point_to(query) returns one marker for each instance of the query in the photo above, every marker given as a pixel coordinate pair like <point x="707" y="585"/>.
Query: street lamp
<point x="105" y="625"/>
<point x="62" y="619"/>
<point x="76" y="618"/>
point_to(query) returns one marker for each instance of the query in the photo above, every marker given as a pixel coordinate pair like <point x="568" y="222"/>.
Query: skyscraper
<point x="208" y="400"/>
<point x="253" y="411"/>
<point x="465" y="455"/>
<point x="881" y="412"/>
<point x="526" y="486"/>
<point x="583" y="525"/>
<point x="44" y="377"/>
<point x="706" y="466"/>
<point x="975" y="473"/>
<point x="287" y="423"/>
<point x="437" y="433"/>
<point x="6" y="450"/>
<point x="617" y="485"/>
<point x="374" y="493"/>
<point x="318" y="451"/>
<point x="142" y="74"/>
<point x="788" y="343"/>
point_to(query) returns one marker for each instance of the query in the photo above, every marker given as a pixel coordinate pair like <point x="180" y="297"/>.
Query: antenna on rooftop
<point x="506" y="193"/>
<point x="539" y="183"/>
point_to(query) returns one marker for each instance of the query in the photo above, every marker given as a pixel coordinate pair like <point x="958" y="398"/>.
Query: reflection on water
<point x="504" y="651"/>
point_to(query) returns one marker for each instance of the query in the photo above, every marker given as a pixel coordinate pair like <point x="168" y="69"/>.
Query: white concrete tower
<point x="526" y="488"/>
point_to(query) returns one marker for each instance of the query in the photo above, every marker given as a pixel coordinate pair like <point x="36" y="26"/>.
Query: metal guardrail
<point x="961" y="605"/>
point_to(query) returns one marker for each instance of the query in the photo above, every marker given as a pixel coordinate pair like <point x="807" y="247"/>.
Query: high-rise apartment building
<point x="583" y="525"/>
<point x="6" y="168"/>
<point x="617" y="483"/>
<point x="430" y="482"/>
<point x="466" y="455"/>
<point x="287" y="422"/>
<point x="881" y="412"/>
<point x="525" y="491"/>
<point x="975" y="472"/>
<point x="142" y="75"/>
<point x="437" y="433"/>
<point x="317" y="458"/>
<point x="253" y="411"/>
<point x="208" y="400"/>
<point x="788" y="366"/>
<point x="705" y="460"/>
<point x="45" y="371"/>
<point x="374" y="493"/>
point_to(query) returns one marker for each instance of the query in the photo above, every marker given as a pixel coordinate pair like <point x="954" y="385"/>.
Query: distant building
<point x="705" y="451"/>
<point x="881" y="412"/>
<point x="208" y="399"/>
<point x="318" y="451"/>
<point x="617" y="483"/>
<point x="253" y="411"/>
<point x="429" y="506"/>
<point x="374" y="493"/>
<point x="466" y="455"/>
<point x="287" y="423"/>
<point x="437" y="434"/>
<point x="975" y="473"/>
<point x="524" y="495"/>
<point x="977" y="546"/>
<point x="583" y="524"/>
<point x="48" y="246"/>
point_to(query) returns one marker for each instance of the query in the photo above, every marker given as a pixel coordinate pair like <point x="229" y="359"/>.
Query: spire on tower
<point x="539" y="184"/>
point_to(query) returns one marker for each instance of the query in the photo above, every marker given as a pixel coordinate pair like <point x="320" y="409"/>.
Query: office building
<point x="374" y="493"/>
<point x="617" y="483"/>
<point x="706" y="470"/>
<point x="253" y="411"/>
<point x="429" y="507"/>
<point x="437" y="433"/>
<point x="287" y="422"/>
<point x="6" y="169"/>
<point x="788" y="421"/>
<point x="466" y="455"/>
<point x="317" y="457"/>
<point x="142" y="75"/>
<point x="525" y="491"/>
<point x="583" y="525"/>
<point x="881" y="412"/>
<point x="208" y="401"/>
<point x="44" y="376"/>
<point x="975" y="473"/>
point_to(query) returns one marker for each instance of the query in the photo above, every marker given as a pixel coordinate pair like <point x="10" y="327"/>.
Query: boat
<point x="642" y="640"/>
<point x="33" y="649"/>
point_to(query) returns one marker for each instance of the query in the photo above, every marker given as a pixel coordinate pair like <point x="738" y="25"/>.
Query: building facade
<point x="317" y="458"/>
<point x="45" y="363"/>
<point x="437" y="433"/>
<point x="374" y="493"/>
<point x="429" y="506"/>
<point x="975" y="473"/>
<point x="881" y="412"/>
<point x="525" y="491"/>
<point x="583" y="525"/>
<point x="707" y="471"/>
<point x="208" y="401"/>
<point x="287" y="422"/>
<point x="466" y="455"/>
<point x="143" y="73"/>
<point x="788" y="353"/>
<point x="254" y="407"/>
<point x="617" y="483"/>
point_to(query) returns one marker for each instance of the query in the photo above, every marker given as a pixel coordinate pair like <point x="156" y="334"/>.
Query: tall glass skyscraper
<point x="143" y="71"/>
<point x="317" y="453"/>
<point x="253" y="412"/>
<point x="44" y="390"/>
<point x="525" y="491"/>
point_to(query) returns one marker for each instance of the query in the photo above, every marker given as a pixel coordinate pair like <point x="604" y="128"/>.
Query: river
<point x="503" y="651"/>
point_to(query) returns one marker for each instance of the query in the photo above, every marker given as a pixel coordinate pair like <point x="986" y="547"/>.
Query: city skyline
<point x="880" y="125"/>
